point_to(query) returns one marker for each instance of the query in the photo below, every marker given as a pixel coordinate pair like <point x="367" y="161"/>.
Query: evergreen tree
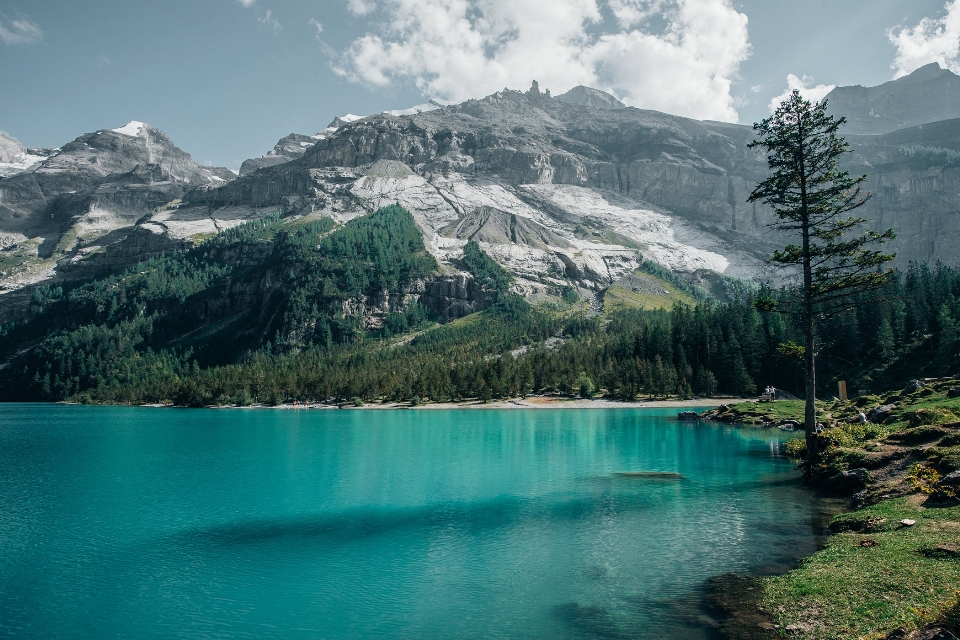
<point x="949" y="341"/>
<point x="811" y="197"/>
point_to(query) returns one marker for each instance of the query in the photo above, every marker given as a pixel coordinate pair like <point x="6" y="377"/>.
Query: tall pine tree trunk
<point x="809" y="352"/>
<point x="810" y="409"/>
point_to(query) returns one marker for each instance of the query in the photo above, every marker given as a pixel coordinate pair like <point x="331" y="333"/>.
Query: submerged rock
<point x="651" y="475"/>
<point x="688" y="415"/>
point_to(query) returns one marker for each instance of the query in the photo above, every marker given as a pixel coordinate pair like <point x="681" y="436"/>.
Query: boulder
<point x="932" y="634"/>
<point x="881" y="413"/>
<point x="913" y="386"/>
<point x="852" y="480"/>
<point x="688" y="415"/>
<point x="925" y="634"/>
<point x="954" y="392"/>
<point x="949" y="484"/>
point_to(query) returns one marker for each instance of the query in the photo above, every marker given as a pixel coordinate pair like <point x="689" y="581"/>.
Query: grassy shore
<point x="894" y="562"/>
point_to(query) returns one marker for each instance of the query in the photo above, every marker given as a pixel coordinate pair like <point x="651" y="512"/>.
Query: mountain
<point x="87" y="196"/>
<point x="927" y="95"/>
<point x="612" y="186"/>
<point x="135" y="274"/>
<point x="573" y="191"/>
<point x="602" y="182"/>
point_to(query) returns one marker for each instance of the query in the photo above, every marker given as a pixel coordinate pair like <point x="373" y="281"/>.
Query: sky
<point x="225" y="79"/>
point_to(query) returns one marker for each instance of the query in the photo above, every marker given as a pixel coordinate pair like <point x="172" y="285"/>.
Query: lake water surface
<point x="168" y="523"/>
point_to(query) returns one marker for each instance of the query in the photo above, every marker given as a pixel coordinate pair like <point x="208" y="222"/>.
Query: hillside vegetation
<point x="277" y="311"/>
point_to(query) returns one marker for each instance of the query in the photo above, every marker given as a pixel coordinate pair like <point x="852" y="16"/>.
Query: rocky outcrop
<point x="15" y="158"/>
<point x="848" y="481"/>
<point x="11" y="150"/>
<point x="287" y="148"/>
<point x="493" y="226"/>
<point x="589" y="97"/>
<point x="456" y="296"/>
<point x="881" y="413"/>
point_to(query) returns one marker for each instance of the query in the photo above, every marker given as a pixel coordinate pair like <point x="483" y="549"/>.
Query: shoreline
<point x="531" y="402"/>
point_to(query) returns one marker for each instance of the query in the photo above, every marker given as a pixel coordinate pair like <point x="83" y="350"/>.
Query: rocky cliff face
<point x="592" y="187"/>
<point x="576" y="188"/>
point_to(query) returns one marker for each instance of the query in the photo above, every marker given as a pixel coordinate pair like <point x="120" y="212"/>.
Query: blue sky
<point x="226" y="78"/>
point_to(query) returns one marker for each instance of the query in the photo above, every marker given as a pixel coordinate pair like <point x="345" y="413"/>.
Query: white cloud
<point x="269" y="21"/>
<point x="246" y="3"/>
<point x="630" y="13"/>
<point x="458" y="49"/>
<point x="19" y="31"/>
<point x="932" y="40"/>
<point x="361" y="7"/>
<point x="327" y="49"/>
<point x="806" y="88"/>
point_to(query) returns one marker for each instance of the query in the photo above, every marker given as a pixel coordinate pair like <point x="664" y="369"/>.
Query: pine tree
<point x="949" y="340"/>
<point x="811" y="197"/>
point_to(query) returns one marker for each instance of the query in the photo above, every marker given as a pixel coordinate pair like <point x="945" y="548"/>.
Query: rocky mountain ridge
<point x="929" y="94"/>
<point x="574" y="190"/>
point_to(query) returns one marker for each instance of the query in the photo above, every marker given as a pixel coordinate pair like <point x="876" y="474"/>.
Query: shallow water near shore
<point x="160" y="523"/>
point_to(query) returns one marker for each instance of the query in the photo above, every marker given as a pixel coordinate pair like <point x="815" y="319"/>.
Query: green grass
<point x="607" y="236"/>
<point x="876" y="575"/>
<point x="852" y="591"/>
<point x="618" y="297"/>
<point x="612" y="237"/>
<point x="772" y="411"/>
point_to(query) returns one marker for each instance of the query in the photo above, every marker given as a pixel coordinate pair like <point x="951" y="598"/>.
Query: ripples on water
<point x="147" y="523"/>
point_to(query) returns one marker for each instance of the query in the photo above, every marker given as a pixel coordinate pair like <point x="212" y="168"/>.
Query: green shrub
<point x="795" y="448"/>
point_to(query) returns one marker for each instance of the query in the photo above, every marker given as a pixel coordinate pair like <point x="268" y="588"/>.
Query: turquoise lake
<point x="171" y="523"/>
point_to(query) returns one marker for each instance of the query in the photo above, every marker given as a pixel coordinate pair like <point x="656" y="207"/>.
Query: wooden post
<point x="843" y="390"/>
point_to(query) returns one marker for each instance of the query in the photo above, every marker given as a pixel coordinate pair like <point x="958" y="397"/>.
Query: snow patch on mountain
<point x="22" y="164"/>
<point x="131" y="129"/>
<point x="432" y="105"/>
<point x="665" y="238"/>
<point x="15" y="158"/>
